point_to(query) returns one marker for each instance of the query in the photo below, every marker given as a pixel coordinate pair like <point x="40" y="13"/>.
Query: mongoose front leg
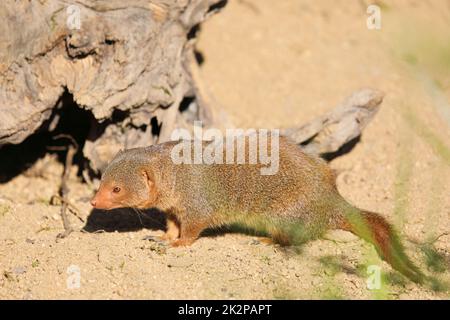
<point x="172" y="232"/>
<point x="189" y="232"/>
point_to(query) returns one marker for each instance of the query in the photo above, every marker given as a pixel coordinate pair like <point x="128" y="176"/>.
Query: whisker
<point x="139" y="216"/>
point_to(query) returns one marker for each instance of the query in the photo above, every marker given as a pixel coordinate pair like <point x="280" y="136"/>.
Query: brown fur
<point x="298" y="203"/>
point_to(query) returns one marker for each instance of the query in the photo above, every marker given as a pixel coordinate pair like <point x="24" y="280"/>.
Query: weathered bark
<point x="127" y="55"/>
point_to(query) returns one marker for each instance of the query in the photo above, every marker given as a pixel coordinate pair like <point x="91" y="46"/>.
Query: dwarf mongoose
<point x="298" y="203"/>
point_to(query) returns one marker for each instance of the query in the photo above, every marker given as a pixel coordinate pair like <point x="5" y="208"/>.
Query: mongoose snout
<point x="107" y="197"/>
<point x="298" y="203"/>
<point x="119" y="190"/>
<point x="126" y="182"/>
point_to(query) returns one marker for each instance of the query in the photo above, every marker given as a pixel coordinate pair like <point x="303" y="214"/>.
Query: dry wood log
<point x="133" y="57"/>
<point x="125" y="55"/>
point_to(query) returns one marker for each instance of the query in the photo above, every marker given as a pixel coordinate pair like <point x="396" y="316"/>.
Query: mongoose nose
<point x="93" y="202"/>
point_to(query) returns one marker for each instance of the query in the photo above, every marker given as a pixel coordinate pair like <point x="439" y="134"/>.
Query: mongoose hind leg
<point x="265" y="240"/>
<point x="281" y="238"/>
<point x="275" y="237"/>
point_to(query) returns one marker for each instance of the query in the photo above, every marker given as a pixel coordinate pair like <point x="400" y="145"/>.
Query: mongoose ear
<point x="148" y="178"/>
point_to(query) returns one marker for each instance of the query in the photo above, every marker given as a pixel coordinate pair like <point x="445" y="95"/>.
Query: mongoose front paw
<point x="182" y="242"/>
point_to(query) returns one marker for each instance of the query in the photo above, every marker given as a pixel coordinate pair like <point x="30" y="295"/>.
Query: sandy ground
<point x="271" y="64"/>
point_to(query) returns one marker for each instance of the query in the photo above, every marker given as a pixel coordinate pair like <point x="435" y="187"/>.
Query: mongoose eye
<point x="116" y="189"/>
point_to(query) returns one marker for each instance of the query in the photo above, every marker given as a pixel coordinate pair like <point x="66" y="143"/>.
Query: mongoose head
<point x="128" y="182"/>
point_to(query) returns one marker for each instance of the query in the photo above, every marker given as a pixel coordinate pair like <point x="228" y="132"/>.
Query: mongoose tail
<point x="373" y="228"/>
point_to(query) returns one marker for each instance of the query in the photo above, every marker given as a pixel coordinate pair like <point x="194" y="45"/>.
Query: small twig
<point x="96" y="231"/>
<point x="74" y="209"/>
<point x="438" y="237"/>
<point x="64" y="189"/>
<point x="180" y="266"/>
<point x="55" y="148"/>
<point x="66" y="136"/>
<point x="432" y="241"/>
<point x="88" y="179"/>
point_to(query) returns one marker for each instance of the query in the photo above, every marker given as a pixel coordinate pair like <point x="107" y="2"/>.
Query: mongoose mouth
<point x="104" y="207"/>
<point x="109" y="196"/>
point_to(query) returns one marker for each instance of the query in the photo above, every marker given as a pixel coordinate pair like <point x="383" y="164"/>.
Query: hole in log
<point x="199" y="57"/>
<point x="119" y="115"/>
<point x="193" y="32"/>
<point x="185" y="103"/>
<point x="189" y="109"/>
<point x="219" y="5"/>
<point x="156" y="127"/>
